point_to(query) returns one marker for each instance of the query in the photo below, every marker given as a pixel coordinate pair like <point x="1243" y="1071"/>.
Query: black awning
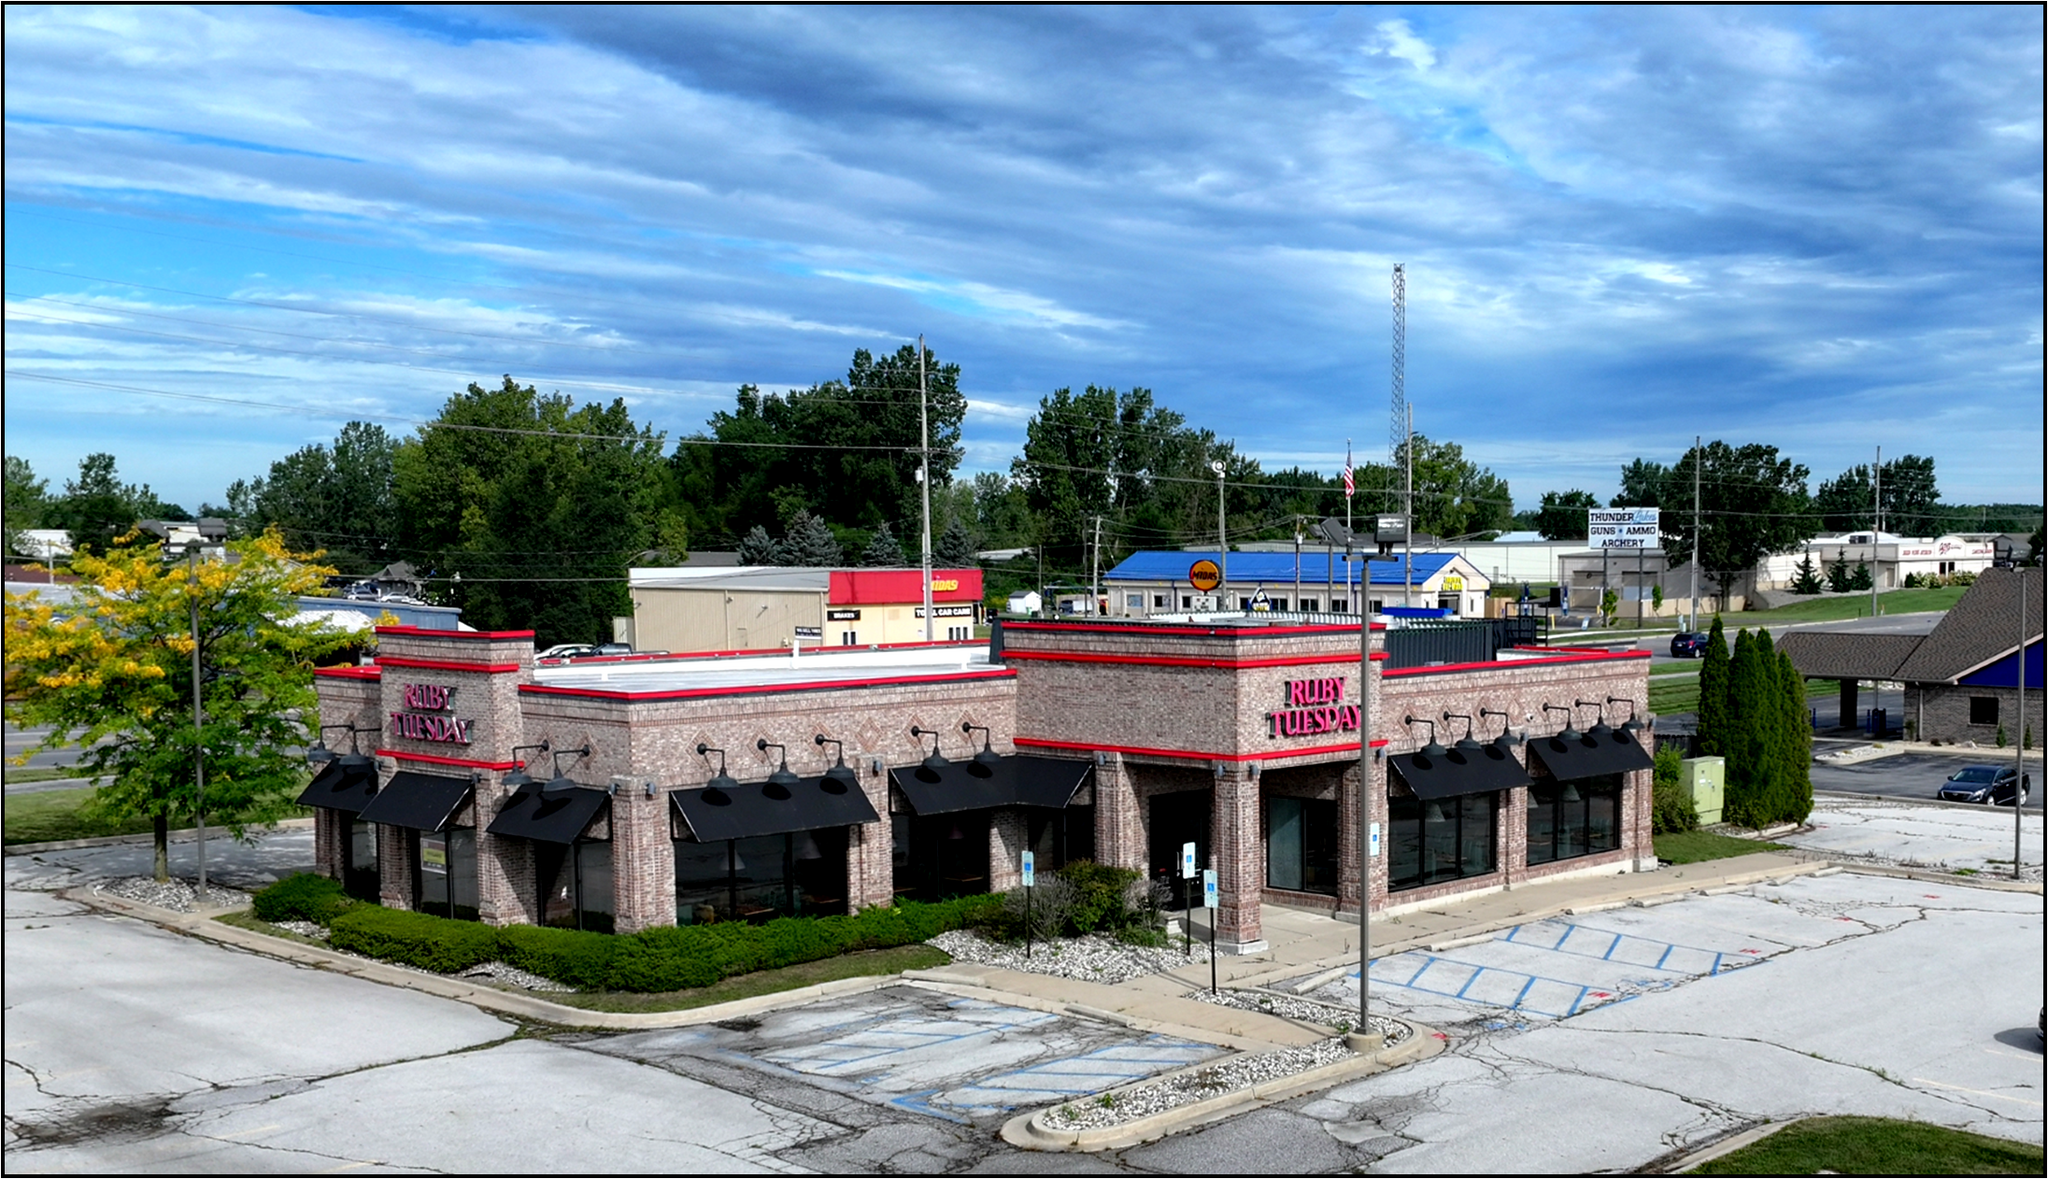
<point x="338" y="789"/>
<point x="762" y="808"/>
<point x="1008" y="781"/>
<point x="425" y="802"/>
<point x="1612" y="752"/>
<point x="549" y="818"/>
<point x="1459" y="772"/>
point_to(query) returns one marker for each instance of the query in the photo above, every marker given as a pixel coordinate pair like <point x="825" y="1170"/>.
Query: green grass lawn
<point x="1910" y="601"/>
<point x="50" y="815"/>
<point x="762" y="982"/>
<point x="1876" y="1146"/>
<point x="1675" y="693"/>
<point x="1692" y="847"/>
<point x="42" y="773"/>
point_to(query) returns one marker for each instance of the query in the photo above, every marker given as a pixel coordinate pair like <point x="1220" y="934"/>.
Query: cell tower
<point x="1397" y="429"/>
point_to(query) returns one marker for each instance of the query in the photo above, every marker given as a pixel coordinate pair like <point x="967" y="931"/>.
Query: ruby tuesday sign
<point x="425" y="717"/>
<point x="1314" y="706"/>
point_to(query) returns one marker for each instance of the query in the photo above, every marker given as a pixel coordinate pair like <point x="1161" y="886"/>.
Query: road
<point x="19" y="741"/>
<point x="1916" y="776"/>
<point x="1589" y="1043"/>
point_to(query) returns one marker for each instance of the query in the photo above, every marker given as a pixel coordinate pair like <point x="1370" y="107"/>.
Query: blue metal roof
<point x="1245" y="568"/>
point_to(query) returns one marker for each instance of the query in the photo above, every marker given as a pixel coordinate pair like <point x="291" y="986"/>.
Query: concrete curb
<point x="204" y="927"/>
<point x="1931" y="877"/>
<point x="1728" y="1145"/>
<point x="1030" y="1131"/>
<point x="187" y="835"/>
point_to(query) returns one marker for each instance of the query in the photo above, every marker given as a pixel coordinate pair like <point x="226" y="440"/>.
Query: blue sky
<point x="1818" y="228"/>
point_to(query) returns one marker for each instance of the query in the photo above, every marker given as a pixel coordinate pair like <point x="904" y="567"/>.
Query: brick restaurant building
<point x="637" y="792"/>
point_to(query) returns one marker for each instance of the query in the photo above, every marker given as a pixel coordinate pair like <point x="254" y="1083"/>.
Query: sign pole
<point x="1187" y="900"/>
<point x="1030" y="878"/>
<point x="1209" y="903"/>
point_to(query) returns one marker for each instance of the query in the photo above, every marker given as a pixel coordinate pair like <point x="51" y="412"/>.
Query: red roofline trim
<point x="1204" y="631"/>
<point x="446" y="665"/>
<point x="1088" y="746"/>
<point x="436" y="759"/>
<point x="1183" y="661"/>
<point x="1511" y="664"/>
<point x="349" y="673"/>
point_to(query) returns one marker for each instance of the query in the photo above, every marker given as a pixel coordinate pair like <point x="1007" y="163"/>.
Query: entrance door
<point x="1176" y="819"/>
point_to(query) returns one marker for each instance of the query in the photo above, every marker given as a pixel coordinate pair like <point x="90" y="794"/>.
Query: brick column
<point x="1007" y="833"/>
<point x="330" y="842"/>
<point x="1347" y="839"/>
<point x="1119" y="828"/>
<point x="506" y="891"/>
<point x="1239" y="856"/>
<point x="643" y="858"/>
<point x="871" y="847"/>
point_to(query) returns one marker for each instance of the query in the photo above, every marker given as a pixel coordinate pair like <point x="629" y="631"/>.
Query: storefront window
<point x="1301" y="845"/>
<point x="445" y="869"/>
<point x="761" y="878"/>
<point x="1060" y="837"/>
<point x="577" y="884"/>
<point x="1574" y="818"/>
<point x="1442" y="839"/>
<point x="359" y="878"/>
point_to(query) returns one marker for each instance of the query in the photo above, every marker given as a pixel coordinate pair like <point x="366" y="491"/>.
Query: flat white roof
<point x="767" y="669"/>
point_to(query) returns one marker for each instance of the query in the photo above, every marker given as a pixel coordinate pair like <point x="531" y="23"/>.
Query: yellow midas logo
<point x="947" y="584"/>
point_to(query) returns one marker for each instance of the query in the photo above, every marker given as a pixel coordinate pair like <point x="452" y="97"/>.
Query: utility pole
<point x="1876" y="522"/>
<point x="1095" y="569"/>
<point x="2019" y="743"/>
<point x="924" y="479"/>
<point x="199" y="732"/>
<point x="1297" y="561"/>
<point x="1222" y="546"/>
<point x="1697" y="539"/>
<point x="1407" y="526"/>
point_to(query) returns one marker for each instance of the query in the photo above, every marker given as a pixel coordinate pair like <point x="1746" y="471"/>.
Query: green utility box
<point x="1705" y="777"/>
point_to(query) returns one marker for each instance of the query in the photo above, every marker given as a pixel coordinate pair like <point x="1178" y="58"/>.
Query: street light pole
<point x="1365" y="795"/>
<point x="198" y="731"/>
<point x="1222" y="546"/>
<point x="924" y="481"/>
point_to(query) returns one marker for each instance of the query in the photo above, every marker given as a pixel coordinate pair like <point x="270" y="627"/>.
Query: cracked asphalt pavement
<point x="133" y="1049"/>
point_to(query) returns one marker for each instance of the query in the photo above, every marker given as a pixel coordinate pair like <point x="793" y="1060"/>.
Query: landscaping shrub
<point x="303" y="896"/>
<point x="1102" y="895"/>
<point x="1051" y="910"/>
<point x="573" y="956"/>
<point x="415" y="939"/>
<point x="1671" y="802"/>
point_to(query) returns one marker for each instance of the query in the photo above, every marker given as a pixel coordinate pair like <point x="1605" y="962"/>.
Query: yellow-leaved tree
<point x="111" y="670"/>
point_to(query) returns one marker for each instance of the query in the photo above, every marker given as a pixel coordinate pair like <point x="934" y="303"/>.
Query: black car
<point x="1989" y="784"/>
<point x="1689" y="644"/>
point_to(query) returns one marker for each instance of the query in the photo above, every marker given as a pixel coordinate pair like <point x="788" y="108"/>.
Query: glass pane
<point x="819" y="860"/>
<point x="1571" y="821"/>
<point x="703" y="882"/>
<point x="1439" y="840"/>
<point x="431" y="865"/>
<point x="760" y="874"/>
<point x="961" y="852"/>
<point x="594" y="885"/>
<point x="1603" y="818"/>
<point x="1319" y="837"/>
<point x="1542" y="825"/>
<point x="1283" y="843"/>
<point x="1475" y="834"/>
<point x="1404" y="843"/>
<point x="360" y="877"/>
<point x="557" y="875"/>
<point x="462" y="872"/>
<point x="1080" y="821"/>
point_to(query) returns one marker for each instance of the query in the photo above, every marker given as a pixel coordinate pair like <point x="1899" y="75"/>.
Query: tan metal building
<point x="770" y="607"/>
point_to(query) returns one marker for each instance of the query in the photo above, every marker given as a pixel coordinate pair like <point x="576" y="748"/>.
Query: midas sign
<point x="1454" y="583"/>
<point x="950" y="583"/>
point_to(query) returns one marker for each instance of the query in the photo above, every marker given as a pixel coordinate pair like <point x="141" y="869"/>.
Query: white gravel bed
<point x="1296" y="1007"/>
<point x="309" y="929"/>
<point x="1093" y="958"/>
<point x="1114" y="1109"/>
<point x="512" y="975"/>
<point x="172" y="894"/>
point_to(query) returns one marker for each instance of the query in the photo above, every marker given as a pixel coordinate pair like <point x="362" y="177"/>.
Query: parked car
<point x="615" y="648"/>
<point x="568" y="651"/>
<point x="1987" y="784"/>
<point x="1689" y="644"/>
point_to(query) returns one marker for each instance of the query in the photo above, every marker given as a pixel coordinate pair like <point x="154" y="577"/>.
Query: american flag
<point x="1349" y="486"/>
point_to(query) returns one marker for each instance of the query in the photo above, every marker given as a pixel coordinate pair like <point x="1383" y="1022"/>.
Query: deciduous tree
<point x="111" y="671"/>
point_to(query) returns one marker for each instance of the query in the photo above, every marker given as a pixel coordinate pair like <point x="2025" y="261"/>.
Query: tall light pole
<point x="1222" y="546"/>
<point x="1365" y="795"/>
<point x="1696" y="537"/>
<point x="208" y="529"/>
<point x="924" y="481"/>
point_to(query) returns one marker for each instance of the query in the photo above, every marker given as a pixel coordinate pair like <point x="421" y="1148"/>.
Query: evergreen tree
<point x="882" y="549"/>
<point x="1839" y="576"/>
<point x="1808" y="581"/>
<point x="1797" y="733"/>
<point x="758" y="548"/>
<point x="1712" y="725"/>
<point x="955" y="547"/>
<point x="810" y="542"/>
<point x="1860" y="579"/>
<point x="1748" y="769"/>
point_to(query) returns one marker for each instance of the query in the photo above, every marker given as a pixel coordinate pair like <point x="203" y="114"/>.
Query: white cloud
<point x="1397" y="39"/>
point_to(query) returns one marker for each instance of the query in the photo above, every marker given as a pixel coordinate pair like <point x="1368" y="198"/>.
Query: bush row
<point x="666" y="959"/>
<point x="303" y="897"/>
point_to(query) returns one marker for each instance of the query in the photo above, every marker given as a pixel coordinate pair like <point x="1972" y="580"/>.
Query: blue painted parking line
<point x="1621" y="947"/>
<point x="1077" y="1076"/>
<point x="1537" y="994"/>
